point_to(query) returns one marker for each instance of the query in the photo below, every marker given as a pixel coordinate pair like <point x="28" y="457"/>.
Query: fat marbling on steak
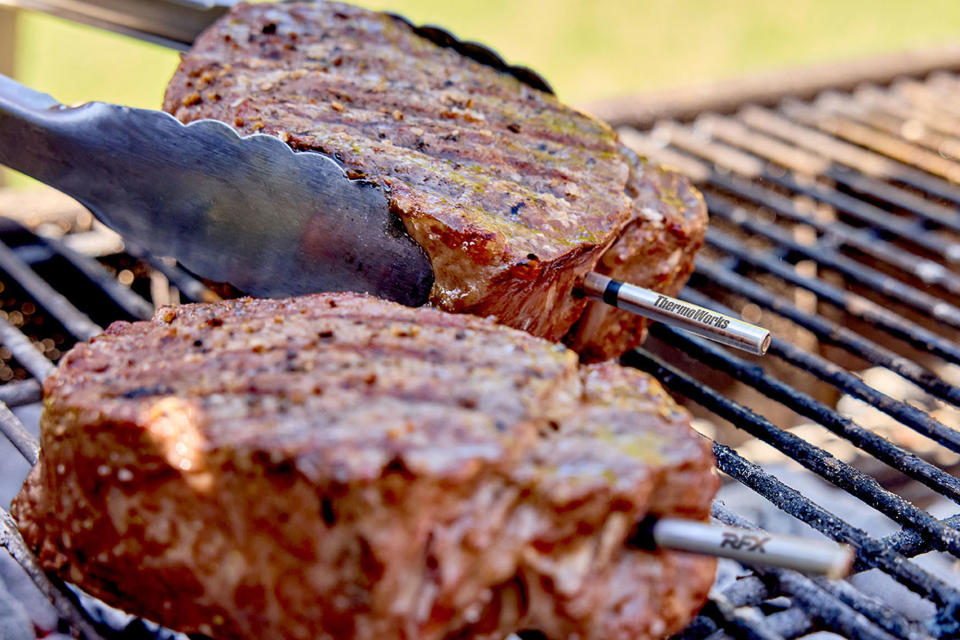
<point x="514" y="196"/>
<point x="340" y="467"/>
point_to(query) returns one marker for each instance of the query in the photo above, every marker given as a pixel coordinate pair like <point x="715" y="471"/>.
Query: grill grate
<point x="834" y="221"/>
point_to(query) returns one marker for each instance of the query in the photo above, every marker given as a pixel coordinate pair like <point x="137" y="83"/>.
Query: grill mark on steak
<point x="352" y="116"/>
<point x="360" y="513"/>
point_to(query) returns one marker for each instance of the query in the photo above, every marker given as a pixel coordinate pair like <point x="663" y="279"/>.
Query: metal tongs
<point x="252" y="212"/>
<point x="248" y="211"/>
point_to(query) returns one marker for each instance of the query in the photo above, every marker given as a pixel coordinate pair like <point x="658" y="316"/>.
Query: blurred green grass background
<point x="587" y="50"/>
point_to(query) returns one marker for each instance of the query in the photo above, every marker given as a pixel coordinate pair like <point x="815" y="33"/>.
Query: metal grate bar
<point x="39" y="367"/>
<point x="68" y="606"/>
<point x="723" y="155"/>
<point x="863" y="111"/>
<point x="866" y="276"/>
<point x="932" y="212"/>
<point x="869" y="277"/>
<point x="737" y="134"/>
<point x="881" y="615"/>
<point x="842" y="475"/>
<point x="897" y="105"/>
<point x="830" y="332"/>
<point x="905" y="230"/>
<point x="738" y="624"/>
<point x="23" y="350"/>
<point x="925" y="97"/>
<point x="55" y="303"/>
<point x="853" y="304"/>
<point x="18" y="435"/>
<point x="754" y="375"/>
<point x="791" y="623"/>
<point x="746" y="591"/>
<point x="52" y="587"/>
<point x="847" y="382"/>
<point x="178" y="276"/>
<point x="871" y="553"/>
<point x="910" y="543"/>
<point x="15" y="394"/>
<point x="868" y="162"/>
<point x="893" y="147"/>
<point x="129" y="301"/>
<point x="865" y="241"/>
<point x="858" y="617"/>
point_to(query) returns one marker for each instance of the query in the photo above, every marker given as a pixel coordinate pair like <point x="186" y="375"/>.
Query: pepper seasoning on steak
<point x="336" y="466"/>
<point x="514" y="196"/>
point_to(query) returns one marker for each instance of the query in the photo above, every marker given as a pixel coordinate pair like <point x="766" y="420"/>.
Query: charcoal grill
<point x="835" y="222"/>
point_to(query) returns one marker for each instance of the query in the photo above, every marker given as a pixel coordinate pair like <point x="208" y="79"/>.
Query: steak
<point x="514" y="196"/>
<point x="655" y="250"/>
<point x="336" y="466"/>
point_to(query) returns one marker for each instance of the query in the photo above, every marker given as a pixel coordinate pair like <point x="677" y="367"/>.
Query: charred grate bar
<point x="805" y="198"/>
<point x="835" y="223"/>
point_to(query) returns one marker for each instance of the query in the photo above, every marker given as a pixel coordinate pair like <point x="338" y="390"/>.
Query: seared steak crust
<point x="656" y="250"/>
<point x="513" y="195"/>
<point x="335" y="466"/>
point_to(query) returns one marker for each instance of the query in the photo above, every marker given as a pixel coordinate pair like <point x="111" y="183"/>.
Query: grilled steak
<point x="336" y="466"/>
<point x="514" y="196"/>
<point x="655" y="250"/>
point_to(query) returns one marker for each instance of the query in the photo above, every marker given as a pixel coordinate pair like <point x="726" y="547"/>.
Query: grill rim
<point x="768" y="88"/>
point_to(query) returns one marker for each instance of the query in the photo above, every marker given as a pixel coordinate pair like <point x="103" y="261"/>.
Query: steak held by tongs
<point x="428" y="171"/>
<point x="513" y="195"/>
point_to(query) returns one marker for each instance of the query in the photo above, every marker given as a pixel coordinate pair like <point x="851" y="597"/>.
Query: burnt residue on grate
<point x="835" y="223"/>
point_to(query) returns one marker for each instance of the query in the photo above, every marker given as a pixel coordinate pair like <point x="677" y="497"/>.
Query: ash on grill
<point x="835" y="223"/>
